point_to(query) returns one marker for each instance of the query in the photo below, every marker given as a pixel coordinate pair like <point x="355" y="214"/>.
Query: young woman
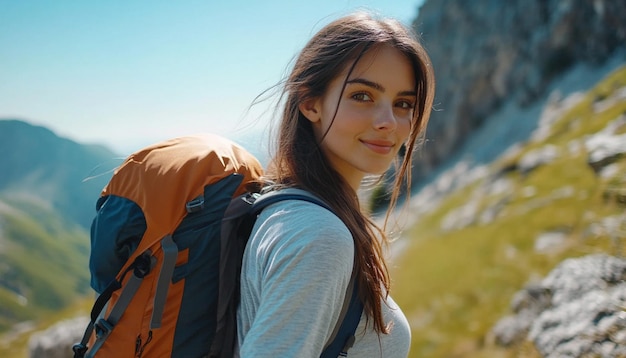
<point x="360" y="90"/>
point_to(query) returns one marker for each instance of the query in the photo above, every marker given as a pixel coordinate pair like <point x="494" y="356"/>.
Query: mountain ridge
<point x="52" y="170"/>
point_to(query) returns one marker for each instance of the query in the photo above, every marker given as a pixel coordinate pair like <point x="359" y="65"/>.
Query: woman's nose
<point x="385" y="118"/>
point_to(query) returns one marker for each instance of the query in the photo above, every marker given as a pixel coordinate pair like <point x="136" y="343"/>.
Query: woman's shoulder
<point x="302" y="223"/>
<point x="297" y="214"/>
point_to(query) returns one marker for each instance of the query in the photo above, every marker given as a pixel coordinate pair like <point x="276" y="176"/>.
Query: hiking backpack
<point x="166" y="250"/>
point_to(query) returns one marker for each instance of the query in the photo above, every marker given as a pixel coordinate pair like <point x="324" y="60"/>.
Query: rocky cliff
<point x="490" y="54"/>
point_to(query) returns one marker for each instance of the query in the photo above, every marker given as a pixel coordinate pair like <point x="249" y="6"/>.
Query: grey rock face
<point x="490" y="54"/>
<point x="578" y="310"/>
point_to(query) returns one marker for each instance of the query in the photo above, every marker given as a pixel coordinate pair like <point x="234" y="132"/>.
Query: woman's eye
<point x="362" y="97"/>
<point x="404" y="104"/>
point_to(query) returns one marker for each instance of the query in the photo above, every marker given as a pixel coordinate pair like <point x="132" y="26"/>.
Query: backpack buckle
<point x="195" y="205"/>
<point x="79" y="350"/>
<point x="250" y="198"/>
<point x="103" y="328"/>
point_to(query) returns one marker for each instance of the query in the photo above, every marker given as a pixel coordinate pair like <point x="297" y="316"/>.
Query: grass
<point x="40" y="261"/>
<point x="455" y="285"/>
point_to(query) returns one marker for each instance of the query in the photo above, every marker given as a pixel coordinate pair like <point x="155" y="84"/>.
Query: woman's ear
<point x="311" y="109"/>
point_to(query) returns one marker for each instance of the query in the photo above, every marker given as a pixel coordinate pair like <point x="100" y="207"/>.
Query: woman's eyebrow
<point x="367" y="83"/>
<point x="378" y="86"/>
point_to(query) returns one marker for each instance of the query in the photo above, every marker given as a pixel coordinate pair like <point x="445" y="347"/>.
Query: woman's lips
<point x="378" y="146"/>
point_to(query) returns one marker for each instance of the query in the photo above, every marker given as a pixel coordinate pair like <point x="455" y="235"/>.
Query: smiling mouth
<point x="380" y="147"/>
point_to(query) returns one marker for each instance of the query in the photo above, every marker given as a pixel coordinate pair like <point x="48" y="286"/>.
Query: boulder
<point x="579" y="309"/>
<point x="57" y="341"/>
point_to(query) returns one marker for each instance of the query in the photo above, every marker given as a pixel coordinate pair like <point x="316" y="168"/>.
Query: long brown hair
<point x="299" y="161"/>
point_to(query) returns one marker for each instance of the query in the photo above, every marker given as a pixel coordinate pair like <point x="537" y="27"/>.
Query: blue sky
<point x="127" y="73"/>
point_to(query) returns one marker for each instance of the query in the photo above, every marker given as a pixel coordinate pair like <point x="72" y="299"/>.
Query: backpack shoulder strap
<point x="267" y="199"/>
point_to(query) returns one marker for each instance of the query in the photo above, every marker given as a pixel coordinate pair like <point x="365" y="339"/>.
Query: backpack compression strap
<point x="236" y="228"/>
<point x="140" y="268"/>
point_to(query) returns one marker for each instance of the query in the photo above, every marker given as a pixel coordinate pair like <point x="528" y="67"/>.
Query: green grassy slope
<point x="43" y="264"/>
<point x="455" y="285"/>
<point x="43" y="272"/>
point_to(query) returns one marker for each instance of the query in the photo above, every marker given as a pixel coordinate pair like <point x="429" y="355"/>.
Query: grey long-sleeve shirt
<point x="296" y="268"/>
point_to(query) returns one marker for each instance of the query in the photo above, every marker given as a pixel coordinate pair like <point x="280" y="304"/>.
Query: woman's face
<point x="373" y="118"/>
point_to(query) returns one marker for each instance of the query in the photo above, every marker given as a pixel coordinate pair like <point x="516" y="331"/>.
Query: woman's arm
<point x="296" y="269"/>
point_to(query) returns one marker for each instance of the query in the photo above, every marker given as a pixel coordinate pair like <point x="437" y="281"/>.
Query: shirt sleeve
<point x="297" y="267"/>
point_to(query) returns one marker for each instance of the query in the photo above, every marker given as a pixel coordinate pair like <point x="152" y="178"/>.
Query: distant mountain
<point x="53" y="172"/>
<point x="48" y="189"/>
